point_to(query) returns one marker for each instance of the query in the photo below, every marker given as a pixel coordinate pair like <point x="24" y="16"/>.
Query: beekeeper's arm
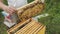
<point x="6" y="8"/>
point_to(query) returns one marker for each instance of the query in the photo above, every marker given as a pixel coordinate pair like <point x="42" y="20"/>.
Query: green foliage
<point x="52" y="7"/>
<point x="2" y="26"/>
<point x="30" y="1"/>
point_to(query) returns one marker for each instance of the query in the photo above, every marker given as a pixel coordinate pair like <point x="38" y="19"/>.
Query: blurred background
<point x="52" y="22"/>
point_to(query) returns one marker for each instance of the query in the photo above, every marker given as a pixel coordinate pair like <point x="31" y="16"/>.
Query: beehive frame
<point x="30" y="10"/>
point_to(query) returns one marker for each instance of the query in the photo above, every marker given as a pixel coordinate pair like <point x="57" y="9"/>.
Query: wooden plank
<point x="38" y="30"/>
<point x="42" y="31"/>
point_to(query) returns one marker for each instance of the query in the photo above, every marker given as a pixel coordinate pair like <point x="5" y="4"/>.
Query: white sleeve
<point x="17" y="3"/>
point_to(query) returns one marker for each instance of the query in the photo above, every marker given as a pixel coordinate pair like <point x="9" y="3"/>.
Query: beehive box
<point x="29" y="26"/>
<point x="30" y="10"/>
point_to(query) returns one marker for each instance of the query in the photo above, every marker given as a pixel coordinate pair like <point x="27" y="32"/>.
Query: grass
<point x="2" y="26"/>
<point x="52" y="22"/>
<point x="52" y="7"/>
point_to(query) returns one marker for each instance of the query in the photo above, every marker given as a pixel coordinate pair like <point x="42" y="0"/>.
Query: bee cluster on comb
<point x="30" y="10"/>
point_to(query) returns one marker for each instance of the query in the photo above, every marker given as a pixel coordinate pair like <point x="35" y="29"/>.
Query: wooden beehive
<point x="27" y="25"/>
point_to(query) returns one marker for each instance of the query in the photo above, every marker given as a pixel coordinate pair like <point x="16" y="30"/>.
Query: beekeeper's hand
<point x="9" y="9"/>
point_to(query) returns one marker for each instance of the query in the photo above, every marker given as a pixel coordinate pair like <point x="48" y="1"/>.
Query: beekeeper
<point x="11" y="8"/>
